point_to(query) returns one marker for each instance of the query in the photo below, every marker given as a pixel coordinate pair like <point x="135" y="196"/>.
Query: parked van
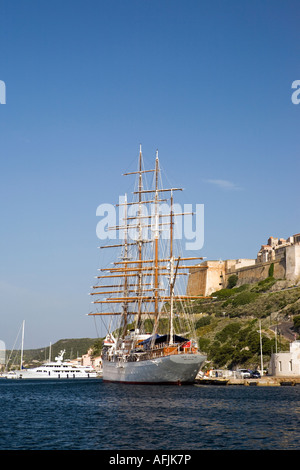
<point x="243" y="374"/>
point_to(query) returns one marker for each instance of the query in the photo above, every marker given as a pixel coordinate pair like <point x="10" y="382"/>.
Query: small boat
<point x="8" y="375"/>
<point x="58" y="369"/>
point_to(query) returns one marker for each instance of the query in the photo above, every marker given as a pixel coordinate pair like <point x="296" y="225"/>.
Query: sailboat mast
<point x="140" y="240"/>
<point x="22" y="346"/>
<point x="140" y="201"/>
<point x="125" y="258"/>
<point x="156" y="237"/>
<point x="261" y="355"/>
<point x="171" y="272"/>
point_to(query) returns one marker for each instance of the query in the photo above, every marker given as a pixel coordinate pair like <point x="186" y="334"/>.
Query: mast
<point x="171" y="271"/>
<point x="156" y="237"/>
<point x="140" y="240"/>
<point x="125" y="258"/>
<point x="261" y="355"/>
<point x="138" y="272"/>
<point x="22" y="345"/>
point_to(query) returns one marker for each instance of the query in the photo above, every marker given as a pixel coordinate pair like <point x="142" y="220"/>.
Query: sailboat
<point x="150" y="344"/>
<point x="13" y="374"/>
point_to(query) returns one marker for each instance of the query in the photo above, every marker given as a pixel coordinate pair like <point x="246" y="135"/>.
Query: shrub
<point x="244" y="298"/>
<point x="297" y="322"/>
<point x="223" y="355"/>
<point x="264" y="285"/>
<point x="223" y="294"/>
<point x="232" y="281"/>
<point x="239" y="358"/>
<point x="203" y="344"/>
<point x="204" y="321"/>
<point x="294" y="309"/>
<point x="241" y="288"/>
<point x="229" y="331"/>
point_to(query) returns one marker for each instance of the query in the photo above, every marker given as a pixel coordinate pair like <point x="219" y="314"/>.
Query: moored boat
<point x="58" y="369"/>
<point x="142" y="293"/>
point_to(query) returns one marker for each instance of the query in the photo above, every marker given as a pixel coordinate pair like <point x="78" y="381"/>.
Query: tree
<point x="271" y="270"/>
<point x="296" y="321"/>
<point x="232" y="281"/>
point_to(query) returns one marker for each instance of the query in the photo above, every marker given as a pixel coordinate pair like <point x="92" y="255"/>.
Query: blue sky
<point x="208" y="83"/>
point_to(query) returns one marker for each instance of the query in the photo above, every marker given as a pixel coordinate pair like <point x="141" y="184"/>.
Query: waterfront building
<point x="286" y="364"/>
<point x="90" y="360"/>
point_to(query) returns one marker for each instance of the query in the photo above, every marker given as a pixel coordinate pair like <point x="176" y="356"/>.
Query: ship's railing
<point x="161" y="350"/>
<point x="165" y="349"/>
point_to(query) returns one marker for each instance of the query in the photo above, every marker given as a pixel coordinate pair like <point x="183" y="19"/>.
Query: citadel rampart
<point x="284" y="255"/>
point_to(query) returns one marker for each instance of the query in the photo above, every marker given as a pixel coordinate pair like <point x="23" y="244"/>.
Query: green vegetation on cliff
<point x="228" y="326"/>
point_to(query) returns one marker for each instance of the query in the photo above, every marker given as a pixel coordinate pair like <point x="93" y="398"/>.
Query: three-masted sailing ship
<point x="151" y="345"/>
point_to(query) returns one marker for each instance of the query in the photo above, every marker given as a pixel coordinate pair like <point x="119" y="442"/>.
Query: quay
<point x="265" y="381"/>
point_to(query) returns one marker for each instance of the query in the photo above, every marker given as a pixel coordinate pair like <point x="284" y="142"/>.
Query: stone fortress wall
<point x="284" y="254"/>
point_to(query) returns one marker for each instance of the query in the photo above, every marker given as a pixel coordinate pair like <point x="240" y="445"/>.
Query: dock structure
<point x="265" y="381"/>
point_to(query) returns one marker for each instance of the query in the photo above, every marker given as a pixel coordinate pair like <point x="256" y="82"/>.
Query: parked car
<point x="243" y="373"/>
<point x="255" y="374"/>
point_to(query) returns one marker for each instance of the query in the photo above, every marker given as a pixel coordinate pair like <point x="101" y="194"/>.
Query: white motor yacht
<point x="59" y="369"/>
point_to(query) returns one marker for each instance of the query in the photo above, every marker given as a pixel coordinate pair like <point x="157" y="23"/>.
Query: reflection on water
<point x="96" y="415"/>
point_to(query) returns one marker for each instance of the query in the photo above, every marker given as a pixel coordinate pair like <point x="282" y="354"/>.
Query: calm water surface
<point x="62" y="415"/>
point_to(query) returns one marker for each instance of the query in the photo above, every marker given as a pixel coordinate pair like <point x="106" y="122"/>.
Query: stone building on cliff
<point x="283" y="254"/>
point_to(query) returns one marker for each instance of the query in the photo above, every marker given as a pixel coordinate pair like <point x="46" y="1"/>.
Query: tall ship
<point x="150" y="333"/>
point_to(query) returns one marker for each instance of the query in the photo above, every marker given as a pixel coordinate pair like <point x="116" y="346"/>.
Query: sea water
<point x="93" y="415"/>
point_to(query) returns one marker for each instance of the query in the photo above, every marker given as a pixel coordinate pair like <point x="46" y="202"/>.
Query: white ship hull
<point x="55" y="370"/>
<point x="173" y="369"/>
<point x="33" y="374"/>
